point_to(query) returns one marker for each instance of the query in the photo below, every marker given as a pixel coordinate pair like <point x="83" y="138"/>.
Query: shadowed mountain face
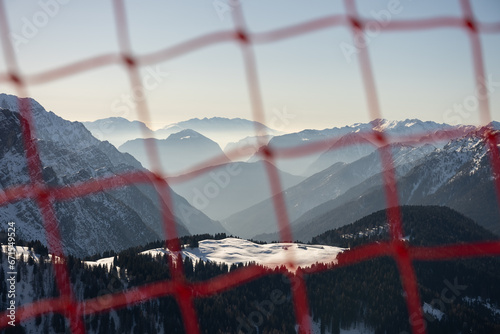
<point x="423" y="225"/>
<point x="230" y="188"/>
<point x="372" y="290"/>
<point x="114" y="219"/>
<point x="219" y="129"/>
<point x="217" y="191"/>
<point x="458" y="176"/>
<point x="320" y="188"/>
<point x="178" y="153"/>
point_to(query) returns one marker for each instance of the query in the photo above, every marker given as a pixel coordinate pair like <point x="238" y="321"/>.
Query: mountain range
<point x="69" y="154"/>
<point x="221" y="188"/>
<point x="458" y="176"/>
<point x="347" y="146"/>
<point x="180" y="152"/>
<point x="322" y="190"/>
<point x="335" y="198"/>
<point x="459" y="295"/>
<point x="118" y="130"/>
<point x="231" y="187"/>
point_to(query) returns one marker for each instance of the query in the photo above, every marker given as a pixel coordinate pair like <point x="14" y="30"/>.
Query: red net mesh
<point x="185" y="292"/>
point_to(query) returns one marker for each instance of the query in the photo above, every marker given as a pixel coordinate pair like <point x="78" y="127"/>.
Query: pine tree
<point x="112" y="326"/>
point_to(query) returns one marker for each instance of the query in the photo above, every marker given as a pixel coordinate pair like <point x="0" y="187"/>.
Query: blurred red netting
<point x="183" y="291"/>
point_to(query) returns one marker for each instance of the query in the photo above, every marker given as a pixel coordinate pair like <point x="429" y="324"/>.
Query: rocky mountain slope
<point x="69" y="154"/>
<point x="322" y="187"/>
<point x="458" y="176"/>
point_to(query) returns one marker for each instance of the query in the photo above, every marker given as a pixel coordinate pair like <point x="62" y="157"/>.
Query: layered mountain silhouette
<point x="118" y="130"/>
<point x="346" y="144"/>
<point x="336" y="185"/>
<point x="458" y="176"/>
<point x="69" y="154"/>
<point x="178" y="153"/>
<point x="231" y="187"/>
<point x="320" y="188"/>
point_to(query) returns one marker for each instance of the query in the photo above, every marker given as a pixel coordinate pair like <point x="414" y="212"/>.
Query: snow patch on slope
<point x="486" y="303"/>
<point x="359" y="328"/>
<point x="427" y="308"/>
<point x="233" y="251"/>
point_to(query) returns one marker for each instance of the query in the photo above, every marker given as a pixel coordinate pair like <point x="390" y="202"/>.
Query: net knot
<point x="242" y="36"/>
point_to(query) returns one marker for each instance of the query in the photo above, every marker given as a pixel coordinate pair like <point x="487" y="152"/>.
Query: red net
<point x="185" y="292"/>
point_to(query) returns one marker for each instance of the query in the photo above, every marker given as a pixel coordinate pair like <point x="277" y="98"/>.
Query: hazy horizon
<point x="299" y="130"/>
<point x="313" y="79"/>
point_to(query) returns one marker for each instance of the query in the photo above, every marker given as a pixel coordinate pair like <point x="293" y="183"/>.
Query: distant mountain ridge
<point x="179" y="152"/>
<point x="118" y="130"/>
<point x="226" y="132"/>
<point x="352" y="150"/>
<point x="218" y="123"/>
<point x="220" y="129"/>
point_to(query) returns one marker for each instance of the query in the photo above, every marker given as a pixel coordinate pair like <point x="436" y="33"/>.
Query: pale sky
<point x="308" y="79"/>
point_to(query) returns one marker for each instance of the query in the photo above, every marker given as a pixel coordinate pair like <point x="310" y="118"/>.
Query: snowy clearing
<point x="232" y="251"/>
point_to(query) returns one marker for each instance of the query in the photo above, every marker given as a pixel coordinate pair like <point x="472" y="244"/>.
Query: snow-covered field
<point x="356" y="329"/>
<point x="107" y="261"/>
<point x="233" y="251"/>
<point x="21" y="251"/>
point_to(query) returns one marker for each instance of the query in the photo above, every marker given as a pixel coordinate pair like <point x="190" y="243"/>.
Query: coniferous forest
<point x="462" y="296"/>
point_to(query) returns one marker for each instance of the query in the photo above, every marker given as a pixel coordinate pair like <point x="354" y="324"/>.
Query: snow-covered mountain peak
<point x="469" y="143"/>
<point x="11" y="102"/>
<point x="50" y="127"/>
<point x="381" y="124"/>
<point x="407" y="126"/>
